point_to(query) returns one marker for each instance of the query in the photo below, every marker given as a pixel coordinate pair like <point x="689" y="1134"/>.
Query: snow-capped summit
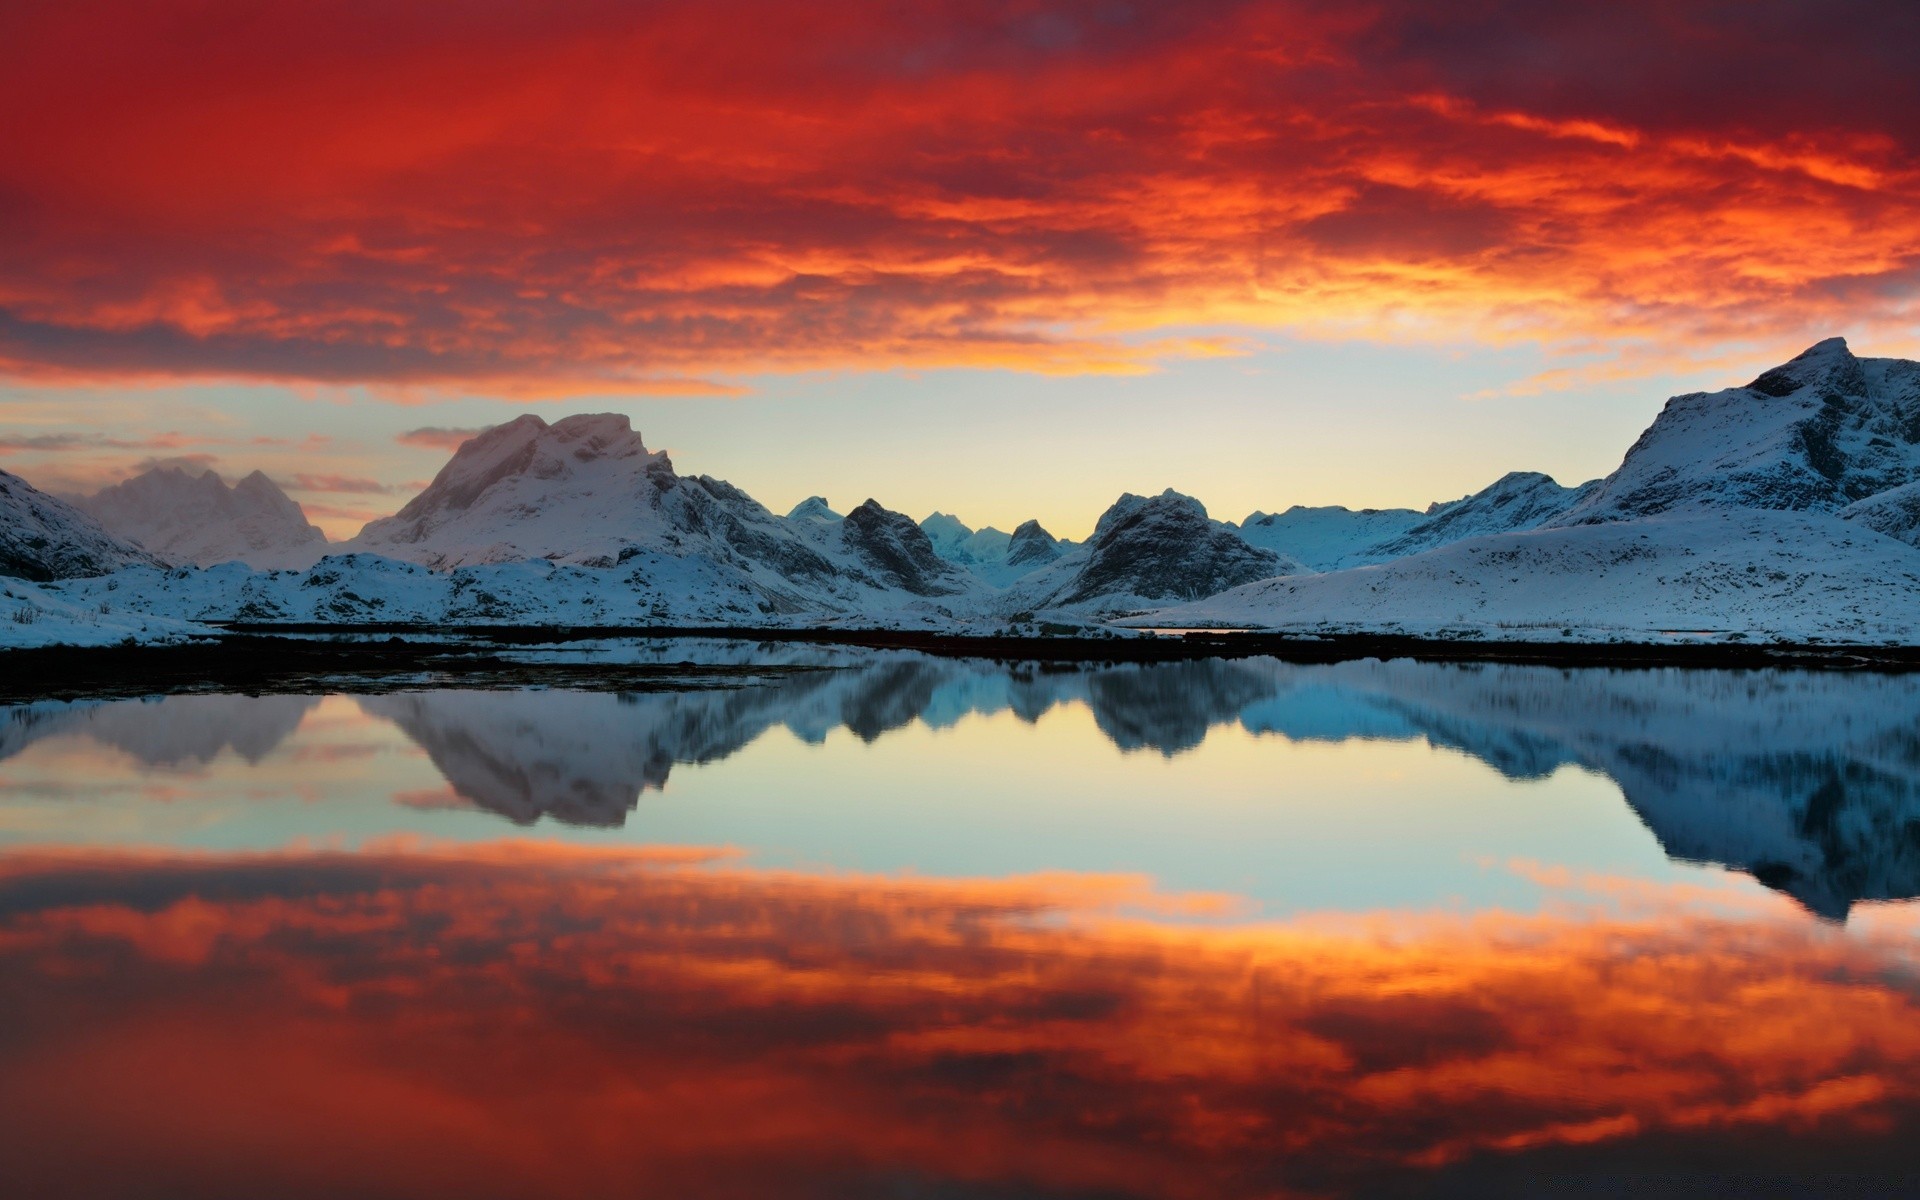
<point x="575" y="490"/>
<point x="1817" y="434"/>
<point x="1146" y="549"/>
<point x="199" y="519"/>
<point x="813" y="508"/>
<point x="586" y="491"/>
<point x="43" y="537"/>
<point x="955" y="542"/>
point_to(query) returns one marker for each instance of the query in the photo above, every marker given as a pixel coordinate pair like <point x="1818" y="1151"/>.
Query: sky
<point x="1002" y="259"/>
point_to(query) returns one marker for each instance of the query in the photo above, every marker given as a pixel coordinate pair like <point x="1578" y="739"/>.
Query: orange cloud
<point x="523" y="1017"/>
<point x="593" y="198"/>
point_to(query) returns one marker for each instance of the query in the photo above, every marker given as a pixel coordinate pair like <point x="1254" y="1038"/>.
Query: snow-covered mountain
<point x="1817" y="434"/>
<point x="997" y="557"/>
<point x="813" y="508"/>
<point x="1785" y="509"/>
<point x="198" y="519"/>
<point x="1328" y="537"/>
<point x="955" y="542"/>
<point x="1145" y="551"/>
<point x="1894" y="512"/>
<point x="1517" y="500"/>
<point x="585" y="491"/>
<point x="1762" y="574"/>
<point x="43" y="537"/>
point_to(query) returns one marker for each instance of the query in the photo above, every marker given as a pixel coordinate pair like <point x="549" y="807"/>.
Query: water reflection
<point x="531" y="1020"/>
<point x="1809" y="781"/>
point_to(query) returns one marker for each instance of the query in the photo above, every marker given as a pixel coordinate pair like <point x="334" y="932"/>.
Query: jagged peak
<point x="1825" y="362"/>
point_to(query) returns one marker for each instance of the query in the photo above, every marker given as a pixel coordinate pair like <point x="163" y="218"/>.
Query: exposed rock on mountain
<point x="198" y="519"/>
<point x="1031" y="546"/>
<point x="1330" y="537"/>
<point x="44" y="538"/>
<point x="899" y="552"/>
<point x="1819" y="433"/>
<point x="1146" y="549"/>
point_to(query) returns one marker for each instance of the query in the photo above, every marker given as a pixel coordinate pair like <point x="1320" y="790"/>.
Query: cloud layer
<point x="594" y="196"/>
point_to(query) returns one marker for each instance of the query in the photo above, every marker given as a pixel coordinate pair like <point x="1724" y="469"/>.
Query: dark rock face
<point x="43" y="538"/>
<point x="1164" y="548"/>
<point x="723" y="512"/>
<point x="1032" y="546"/>
<point x="1816" y="434"/>
<point x="898" y="551"/>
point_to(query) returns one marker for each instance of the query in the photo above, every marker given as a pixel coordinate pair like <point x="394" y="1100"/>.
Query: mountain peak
<point x="1825" y="362"/>
<point x="813" y="508"/>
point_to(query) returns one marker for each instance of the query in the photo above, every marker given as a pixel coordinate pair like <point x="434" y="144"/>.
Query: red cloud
<point x="530" y="1018"/>
<point x="587" y="196"/>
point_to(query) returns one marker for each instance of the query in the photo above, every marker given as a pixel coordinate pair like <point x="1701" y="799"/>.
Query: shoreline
<point x="284" y="658"/>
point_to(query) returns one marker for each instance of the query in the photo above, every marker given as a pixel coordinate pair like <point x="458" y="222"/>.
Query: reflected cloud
<point x="1809" y="781"/>
<point x="522" y="1019"/>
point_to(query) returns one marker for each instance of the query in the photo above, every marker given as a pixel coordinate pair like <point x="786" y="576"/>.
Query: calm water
<point x="894" y="926"/>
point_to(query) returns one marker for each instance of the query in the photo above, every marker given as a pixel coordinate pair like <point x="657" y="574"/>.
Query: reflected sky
<point x="907" y="926"/>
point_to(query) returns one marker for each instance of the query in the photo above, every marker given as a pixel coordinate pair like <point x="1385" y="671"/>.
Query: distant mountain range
<point x="197" y="520"/>
<point x="1786" y="508"/>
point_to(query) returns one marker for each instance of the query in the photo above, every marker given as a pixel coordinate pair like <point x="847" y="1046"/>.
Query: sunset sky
<point x="1003" y="259"/>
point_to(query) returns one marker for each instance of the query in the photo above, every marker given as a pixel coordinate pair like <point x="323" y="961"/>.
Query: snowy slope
<point x="1758" y="573"/>
<point x="44" y="538"/>
<point x="1328" y="537"/>
<point x="198" y="519"/>
<point x="1818" y="434"/>
<point x="1894" y="512"/>
<point x="1517" y="500"/>
<point x="37" y="615"/>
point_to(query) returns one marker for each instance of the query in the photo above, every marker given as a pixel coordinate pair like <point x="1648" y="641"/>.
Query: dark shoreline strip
<point x="258" y="659"/>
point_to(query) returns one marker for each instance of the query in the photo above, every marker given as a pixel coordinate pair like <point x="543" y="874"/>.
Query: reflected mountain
<point x="163" y="731"/>
<point x="1809" y="781"/>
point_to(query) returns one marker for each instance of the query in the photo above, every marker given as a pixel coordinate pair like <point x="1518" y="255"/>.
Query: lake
<point x="831" y="922"/>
